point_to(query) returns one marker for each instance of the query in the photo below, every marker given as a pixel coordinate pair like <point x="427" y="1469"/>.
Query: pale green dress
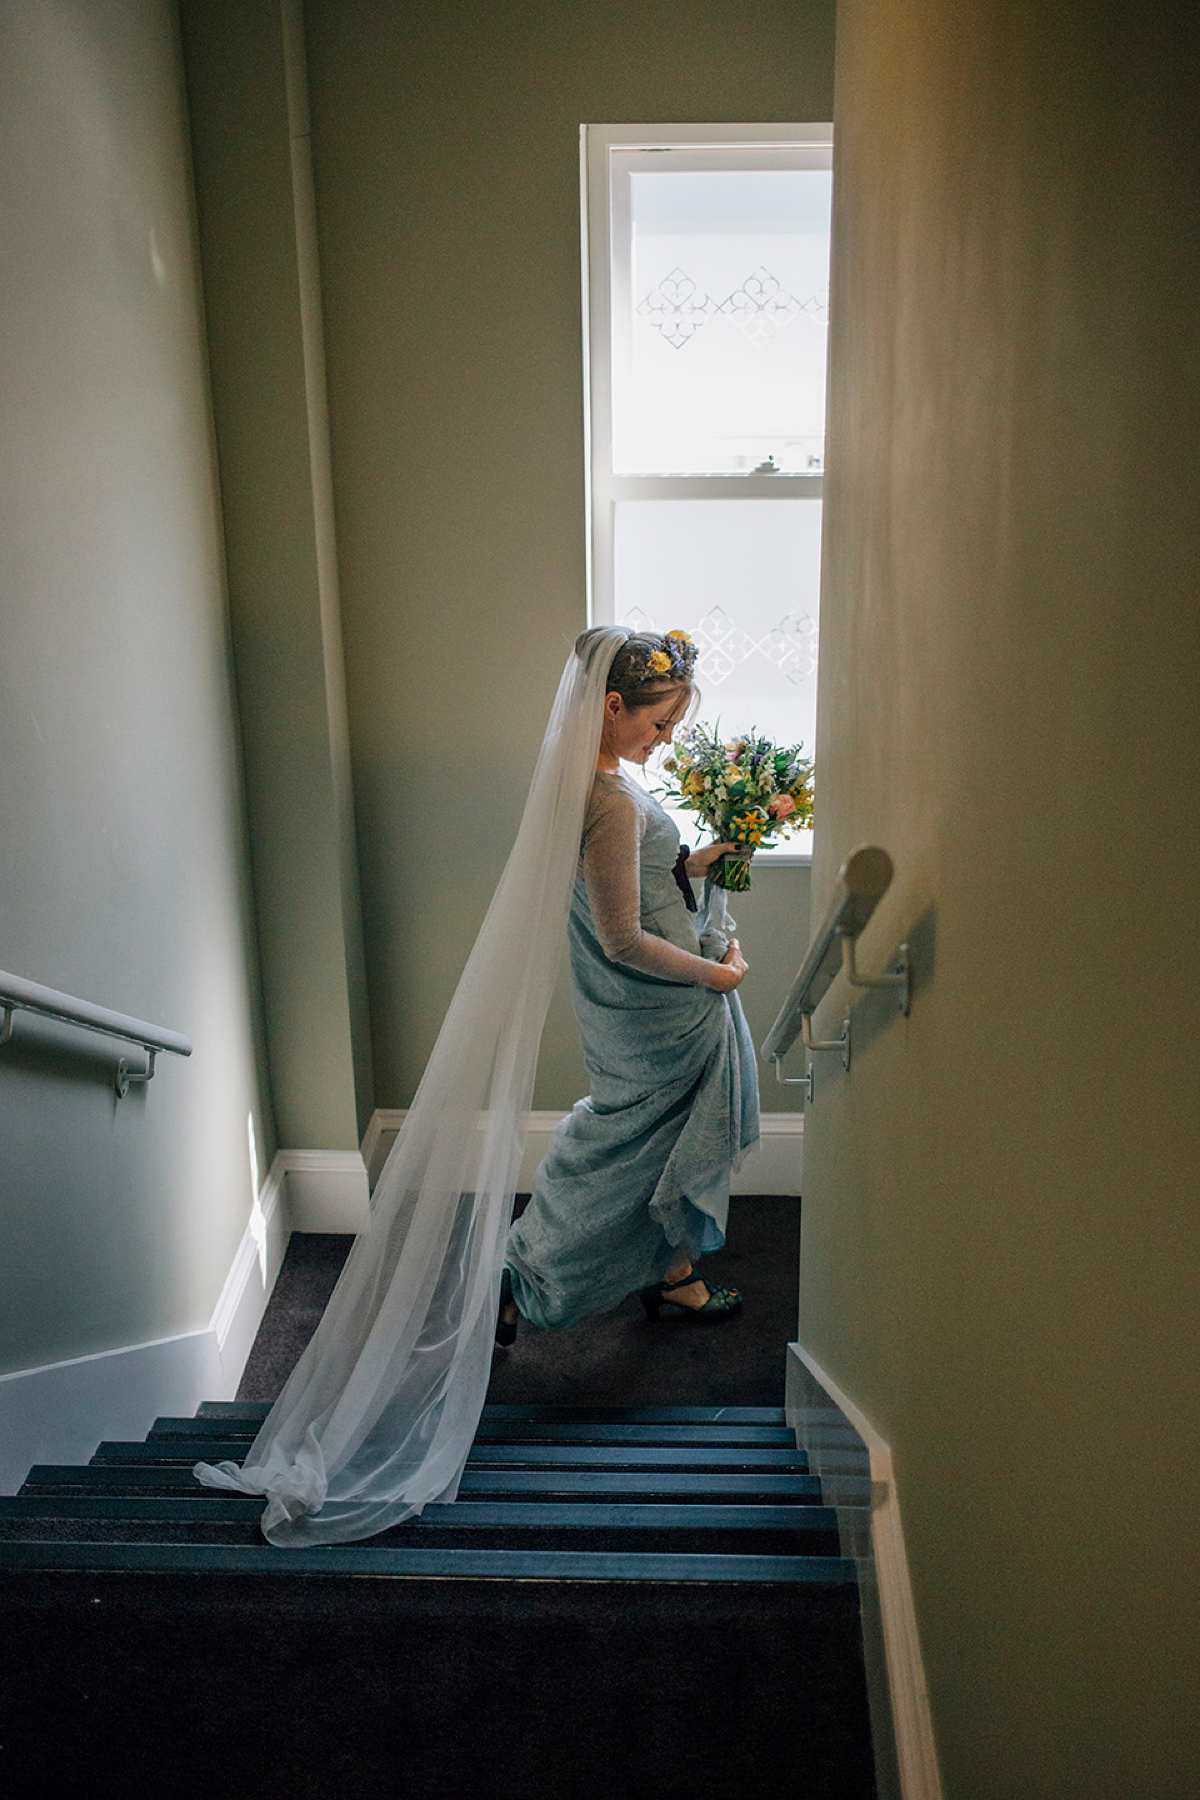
<point x="639" y="1170"/>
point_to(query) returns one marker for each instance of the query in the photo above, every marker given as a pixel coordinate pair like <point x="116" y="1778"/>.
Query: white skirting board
<point x="774" y="1167"/>
<point x="59" y="1413"/>
<point x="857" y="1479"/>
<point x="326" y="1190"/>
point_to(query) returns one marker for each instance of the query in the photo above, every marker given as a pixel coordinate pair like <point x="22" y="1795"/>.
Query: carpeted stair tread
<point x="174" y="1509"/>
<point x="218" y="1503"/>
<point x="639" y="1415"/>
<point x="160" y="1684"/>
<point x="503" y="1431"/>
<point x="439" y="1564"/>
<point x="735" y="1530"/>
<point x="188" y="1450"/>
<point x="749" y="1437"/>
<point x="257" y="1410"/>
<point x="768" y="1484"/>
<point x="456" y="1539"/>
<point x="176" y="1479"/>
<point x="750" y="1515"/>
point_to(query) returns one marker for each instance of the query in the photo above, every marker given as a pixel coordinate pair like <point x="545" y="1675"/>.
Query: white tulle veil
<point x="378" y="1416"/>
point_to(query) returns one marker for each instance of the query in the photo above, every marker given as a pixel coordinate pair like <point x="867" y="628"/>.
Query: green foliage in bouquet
<point x="748" y="791"/>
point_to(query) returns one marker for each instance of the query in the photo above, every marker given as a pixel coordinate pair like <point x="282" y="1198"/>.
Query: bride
<point x="636" y="1185"/>
<point x="378" y="1416"/>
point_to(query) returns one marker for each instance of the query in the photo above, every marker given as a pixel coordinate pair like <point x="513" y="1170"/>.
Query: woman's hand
<point x="727" y="974"/>
<point x="702" y="860"/>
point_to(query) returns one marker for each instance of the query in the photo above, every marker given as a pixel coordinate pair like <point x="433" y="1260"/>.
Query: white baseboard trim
<point x="251" y="1278"/>
<point x="773" y="1167"/>
<point x="59" y="1413"/>
<point x="326" y="1190"/>
<point x="855" y="1465"/>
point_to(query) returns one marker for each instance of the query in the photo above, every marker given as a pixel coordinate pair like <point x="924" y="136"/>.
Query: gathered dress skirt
<point x="637" y="1175"/>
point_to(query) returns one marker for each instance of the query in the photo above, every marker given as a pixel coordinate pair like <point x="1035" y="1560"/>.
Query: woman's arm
<point x="611" y="871"/>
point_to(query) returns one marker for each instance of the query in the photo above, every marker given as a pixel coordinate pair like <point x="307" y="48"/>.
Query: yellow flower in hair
<point x="659" y="663"/>
<point x="681" y="637"/>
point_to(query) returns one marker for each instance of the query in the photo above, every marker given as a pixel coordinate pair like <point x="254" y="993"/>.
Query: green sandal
<point x="720" y="1303"/>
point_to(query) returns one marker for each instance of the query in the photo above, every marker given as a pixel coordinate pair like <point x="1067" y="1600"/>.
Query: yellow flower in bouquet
<point x="748" y="828"/>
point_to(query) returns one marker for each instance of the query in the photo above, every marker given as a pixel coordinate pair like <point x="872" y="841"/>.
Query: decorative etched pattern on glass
<point x="760" y="307"/>
<point x="723" y="645"/>
<point x="677" y="308"/>
<point x="791" y="644"/>
<point x="742" y="577"/>
<point x="637" y="620"/>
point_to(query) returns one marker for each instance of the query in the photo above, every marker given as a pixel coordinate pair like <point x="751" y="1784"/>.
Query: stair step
<point x="257" y="1410"/>
<point x="173" y="1479"/>
<point x="518" y="1431"/>
<point x="642" y="1415"/>
<point x="174" y="1509"/>
<point x="162" y="1509"/>
<point x="439" y="1564"/>
<point x="503" y="1431"/>
<point x="488" y="1525"/>
<point x="166" y="1450"/>
<point x="706" y="1541"/>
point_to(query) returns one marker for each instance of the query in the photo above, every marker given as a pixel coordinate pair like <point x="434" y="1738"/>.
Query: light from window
<point x="707" y="253"/>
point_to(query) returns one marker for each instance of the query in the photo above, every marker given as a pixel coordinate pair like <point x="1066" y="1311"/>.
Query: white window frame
<point x="604" y="212"/>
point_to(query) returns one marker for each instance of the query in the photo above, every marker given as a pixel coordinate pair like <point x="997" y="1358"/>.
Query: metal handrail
<point x="862" y="881"/>
<point x="19" y="995"/>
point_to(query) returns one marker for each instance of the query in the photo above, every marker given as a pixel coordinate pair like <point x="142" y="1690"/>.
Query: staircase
<point x="623" y="1602"/>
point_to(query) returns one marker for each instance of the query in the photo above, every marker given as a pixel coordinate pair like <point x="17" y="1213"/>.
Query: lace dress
<point x="639" y="1170"/>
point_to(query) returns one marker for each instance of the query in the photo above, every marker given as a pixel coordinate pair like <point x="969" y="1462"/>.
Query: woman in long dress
<point x="377" y="1419"/>
<point x="635" y="1188"/>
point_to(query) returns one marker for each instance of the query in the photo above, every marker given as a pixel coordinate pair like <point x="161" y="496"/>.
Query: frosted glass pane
<point x="741" y="577"/>
<point x="719" y="358"/>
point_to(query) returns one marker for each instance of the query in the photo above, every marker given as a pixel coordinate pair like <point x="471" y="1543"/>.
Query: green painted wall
<point x="281" y="560"/>
<point x="122" y="870"/>
<point x="445" y="141"/>
<point x="1000" y="1221"/>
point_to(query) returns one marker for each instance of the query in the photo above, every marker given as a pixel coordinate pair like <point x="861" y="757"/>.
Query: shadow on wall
<point x="876" y="1012"/>
<point x="49" y="1050"/>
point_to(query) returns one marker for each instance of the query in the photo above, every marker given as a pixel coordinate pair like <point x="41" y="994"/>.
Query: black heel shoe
<point x="720" y="1303"/>
<point x="506" y="1329"/>
<point x="651" y="1299"/>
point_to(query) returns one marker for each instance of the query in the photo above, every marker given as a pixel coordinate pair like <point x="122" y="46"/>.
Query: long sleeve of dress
<point x="611" y="858"/>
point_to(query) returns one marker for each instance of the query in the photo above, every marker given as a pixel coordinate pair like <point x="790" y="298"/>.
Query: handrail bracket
<point x="812" y="1043"/>
<point x="805" y="1081"/>
<point x="899" y="977"/>
<point x="127" y="1077"/>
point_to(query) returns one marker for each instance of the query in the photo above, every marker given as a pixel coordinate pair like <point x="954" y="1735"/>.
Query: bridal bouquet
<point x="748" y="791"/>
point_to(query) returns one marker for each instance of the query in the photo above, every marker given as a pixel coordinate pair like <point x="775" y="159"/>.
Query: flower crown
<point x="675" y="662"/>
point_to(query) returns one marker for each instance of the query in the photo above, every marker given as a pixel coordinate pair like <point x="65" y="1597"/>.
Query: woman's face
<point x="633" y="733"/>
